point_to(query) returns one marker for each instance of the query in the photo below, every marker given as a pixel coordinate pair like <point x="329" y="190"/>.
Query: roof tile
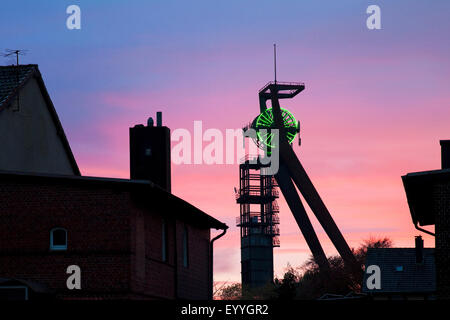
<point x="11" y="77"/>
<point x="399" y="271"/>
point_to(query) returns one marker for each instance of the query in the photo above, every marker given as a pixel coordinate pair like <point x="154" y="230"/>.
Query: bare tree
<point x="231" y="292"/>
<point x="218" y="286"/>
<point x="307" y="281"/>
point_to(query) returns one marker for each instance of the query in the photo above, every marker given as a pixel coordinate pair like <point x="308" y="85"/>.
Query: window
<point x="399" y="268"/>
<point x="165" y="254"/>
<point x="185" y="247"/>
<point x="13" y="293"/>
<point x="58" y="239"/>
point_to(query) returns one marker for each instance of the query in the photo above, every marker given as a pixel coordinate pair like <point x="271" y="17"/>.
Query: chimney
<point x="159" y="119"/>
<point x="150" y="153"/>
<point x="445" y="154"/>
<point x="419" y="249"/>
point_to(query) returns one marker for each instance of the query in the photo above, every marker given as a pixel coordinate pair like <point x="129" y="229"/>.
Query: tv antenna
<point x="17" y="53"/>
<point x="11" y="52"/>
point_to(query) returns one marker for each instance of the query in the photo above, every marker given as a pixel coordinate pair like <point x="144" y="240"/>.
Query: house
<point x="428" y="195"/>
<point x="129" y="238"/>
<point x="419" y="273"/>
<point x="406" y="273"/>
<point x="32" y="138"/>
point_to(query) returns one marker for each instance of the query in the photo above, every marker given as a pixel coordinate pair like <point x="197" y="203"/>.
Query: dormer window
<point x="58" y="239"/>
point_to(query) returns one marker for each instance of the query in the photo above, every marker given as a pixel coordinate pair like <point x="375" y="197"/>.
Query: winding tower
<point x="274" y="131"/>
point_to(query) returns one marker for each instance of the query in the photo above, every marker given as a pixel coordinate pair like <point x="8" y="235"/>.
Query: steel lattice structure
<point x="291" y="172"/>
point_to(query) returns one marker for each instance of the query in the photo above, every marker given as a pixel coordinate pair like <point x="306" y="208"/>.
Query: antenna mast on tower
<point x="275" y="60"/>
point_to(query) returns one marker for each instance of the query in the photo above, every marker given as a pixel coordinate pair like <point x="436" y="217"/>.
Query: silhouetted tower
<point x="274" y="130"/>
<point x="258" y="221"/>
<point x="150" y="153"/>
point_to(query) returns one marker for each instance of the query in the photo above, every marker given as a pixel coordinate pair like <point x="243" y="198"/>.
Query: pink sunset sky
<point x="365" y="122"/>
<point x="375" y="106"/>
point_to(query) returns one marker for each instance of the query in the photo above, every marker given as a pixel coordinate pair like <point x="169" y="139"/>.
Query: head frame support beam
<point x="297" y="173"/>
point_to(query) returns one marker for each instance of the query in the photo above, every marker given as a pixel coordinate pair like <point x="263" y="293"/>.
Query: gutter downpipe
<point x="423" y="230"/>
<point x="211" y="286"/>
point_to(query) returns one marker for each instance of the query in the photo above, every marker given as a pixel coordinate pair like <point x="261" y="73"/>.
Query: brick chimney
<point x="150" y="153"/>
<point x="445" y="154"/>
<point x="419" y="249"/>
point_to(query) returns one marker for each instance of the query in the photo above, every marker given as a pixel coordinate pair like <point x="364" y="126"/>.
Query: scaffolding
<point x="258" y="221"/>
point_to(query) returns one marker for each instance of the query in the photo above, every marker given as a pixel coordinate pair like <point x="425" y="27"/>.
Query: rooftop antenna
<point x="275" y="61"/>
<point x="8" y="53"/>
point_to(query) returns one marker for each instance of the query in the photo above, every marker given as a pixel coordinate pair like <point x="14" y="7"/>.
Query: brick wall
<point x="193" y="279"/>
<point x="151" y="276"/>
<point x="116" y="243"/>
<point x="442" y="231"/>
<point x="155" y="277"/>
<point x="98" y="235"/>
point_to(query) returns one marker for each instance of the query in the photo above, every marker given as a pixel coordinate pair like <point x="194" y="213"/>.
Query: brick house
<point x="419" y="273"/>
<point x="428" y="194"/>
<point x="131" y="239"/>
<point x="406" y="273"/>
<point x="121" y="233"/>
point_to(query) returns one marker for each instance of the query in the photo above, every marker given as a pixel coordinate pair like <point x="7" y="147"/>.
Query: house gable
<point x="31" y="136"/>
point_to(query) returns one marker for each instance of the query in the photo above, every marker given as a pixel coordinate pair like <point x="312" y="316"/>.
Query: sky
<point x="375" y="106"/>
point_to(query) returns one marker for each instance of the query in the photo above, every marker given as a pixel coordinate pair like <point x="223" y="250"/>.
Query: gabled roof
<point x="399" y="271"/>
<point x="13" y="79"/>
<point x="146" y="194"/>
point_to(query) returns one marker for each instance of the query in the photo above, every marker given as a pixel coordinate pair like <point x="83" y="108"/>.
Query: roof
<point x="399" y="271"/>
<point x="419" y="193"/>
<point x="12" y="79"/>
<point x="146" y="193"/>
